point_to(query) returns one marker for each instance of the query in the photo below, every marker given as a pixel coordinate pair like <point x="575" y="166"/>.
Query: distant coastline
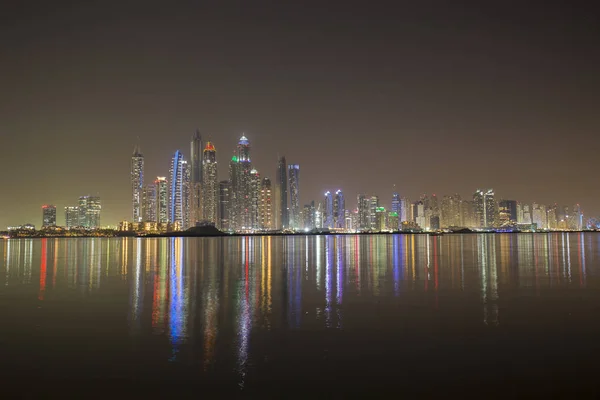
<point x="185" y="234"/>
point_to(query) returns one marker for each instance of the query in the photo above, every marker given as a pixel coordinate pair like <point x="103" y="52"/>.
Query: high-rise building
<point x="48" y="215"/>
<point x="90" y="208"/>
<point x="294" y="185"/>
<point x="328" y="218"/>
<point x="507" y="212"/>
<point x="539" y="216"/>
<point x="309" y="216"/>
<point x="233" y="198"/>
<point x="339" y="210"/>
<point x="177" y="191"/>
<point x="137" y="183"/>
<point x="405" y="213"/>
<point x="210" y="185"/>
<point x="266" y="205"/>
<point x="364" y="220"/>
<point x="281" y="195"/>
<point x="162" y="200"/>
<point x="551" y="217"/>
<point x="241" y="187"/>
<point x="485" y="208"/>
<point x="71" y="216"/>
<point x="196" y="178"/>
<point x="395" y="202"/>
<point x="320" y="215"/>
<point x="450" y="211"/>
<point x="393" y="222"/>
<point x="419" y="214"/>
<point x="255" y="192"/>
<point x="149" y="203"/>
<point x="373" y="205"/>
<point x="380" y="219"/>
<point x="224" y="205"/>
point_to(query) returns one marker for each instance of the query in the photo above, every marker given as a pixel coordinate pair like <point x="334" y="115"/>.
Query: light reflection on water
<point x="216" y="294"/>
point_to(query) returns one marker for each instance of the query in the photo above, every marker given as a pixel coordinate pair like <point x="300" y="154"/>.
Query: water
<point x="486" y="315"/>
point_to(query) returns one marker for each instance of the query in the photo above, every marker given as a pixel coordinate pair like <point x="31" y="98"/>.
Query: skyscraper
<point x="339" y="210"/>
<point x="309" y="216"/>
<point x="71" y="216"/>
<point x="242" y="187"/>
<point x="176" y="190"/>
<point x="507" y="212"/>
<point x="210" y="184"/>
<point x="137" y="183"/>
<point x="395" y="208"/>
<point x="234" y="193"/>
<point x="294" y="181"/>
<point x="196" y="178"/>
<point x="90" y="208"/>
<point x="162" y="200"/>
<point x="224" y="205"/>
<point x="255" y="191"/>
<point x="485" y="208"/>
<point x="281" y="195"/>
<point x="328" y="219"/>
<point x="149" y="203"/>
<point x="265" y="205"/>
<point x="373" y="205"/>
<point x="364" y="220"/>
<point x="48" y="216"/>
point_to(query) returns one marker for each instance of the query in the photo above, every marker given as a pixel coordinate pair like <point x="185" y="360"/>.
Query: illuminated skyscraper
<point x="149" y="203"/>
<point x="405" y="213"/>
<point x="294" y="181"/>
<point x="137" y="183"/>
<point x="234" y="202"/>
<point x="48" y="216"/>
<point x="162" y="200"/>
<point x="485" y="208"/>
<point x="281" y="196"/>
<point x="339" y="210"/>
<point x="196" y="178"/>
<point x="395" y="207"/>
<point x="210" y="185"/>
<point x="328" y="218"/>
<point x="177" y="192"/>
<point x="90" y="208"/>
<point x="224" y="205"/>
<point x="265" y="205"/>
<point x="309" y="216"/>
<point x="373" y="205"/>
<point x="507" y="212"/>
<point x="242" y="186"/>
<point x="255" y="192"/>
<point x="364" y="220"/>
<point x="71" y="216"/>
<point x="539" y="216"/>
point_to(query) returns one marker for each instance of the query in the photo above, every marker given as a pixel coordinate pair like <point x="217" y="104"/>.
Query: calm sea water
<point x="320" y="316"/>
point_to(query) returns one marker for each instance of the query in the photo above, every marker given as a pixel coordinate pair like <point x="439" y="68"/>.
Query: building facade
<point x="294" y="186"/>
<point x="137" y="184"/>
<point x="48" y="216"/>
<point x="210" y="185"/>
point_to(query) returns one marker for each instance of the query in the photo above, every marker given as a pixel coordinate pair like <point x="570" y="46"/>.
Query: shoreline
<point x="192" y="235"/>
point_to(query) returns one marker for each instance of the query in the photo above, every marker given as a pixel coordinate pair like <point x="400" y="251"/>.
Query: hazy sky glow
<point x="436" y="97"/>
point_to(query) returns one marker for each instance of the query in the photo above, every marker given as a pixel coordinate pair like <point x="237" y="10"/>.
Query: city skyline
<point x="498" y="97"/>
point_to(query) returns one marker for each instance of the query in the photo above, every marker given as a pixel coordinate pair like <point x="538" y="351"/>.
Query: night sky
<point x="434" y="96"/>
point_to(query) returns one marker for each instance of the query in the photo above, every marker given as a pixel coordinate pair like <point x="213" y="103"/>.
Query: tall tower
<point x="224" y="205"/>
<point x="210" y="184"/>
<point x="176" y="190"/>
<point x="294" y="181"/>
<point x="243" y="189"/>
<point x="282" y="195"/>
<point x="149" y="203"/>
<point x="89" y="211"/>
<point x="137" y="183"/>
<point x="196" y="178"/>
<point x="234" y="193"/>
<point x="339" y="210"/>
<point x="485" y="208"/>
<point x="265" y="206"/>
<point x="162" y="200"/>
<point x="328" y="220"/>
<point x="48" y="216"/>
<point x="255" y="186"/>
<point x="71" y="216"/>
<point x="364" y="220"/>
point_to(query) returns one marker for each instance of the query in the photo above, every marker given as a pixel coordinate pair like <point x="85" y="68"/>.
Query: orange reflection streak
<point x="357" y="263"/>
<point x="435" y="262"/>
<point x="43" y="269"/>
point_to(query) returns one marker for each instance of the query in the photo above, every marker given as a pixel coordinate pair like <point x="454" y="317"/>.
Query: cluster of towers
<point x="84" y="215"/>
<point x="192" y="195"/>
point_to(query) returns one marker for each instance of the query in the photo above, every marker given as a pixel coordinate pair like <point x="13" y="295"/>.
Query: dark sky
<point x="433" y="96"/>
